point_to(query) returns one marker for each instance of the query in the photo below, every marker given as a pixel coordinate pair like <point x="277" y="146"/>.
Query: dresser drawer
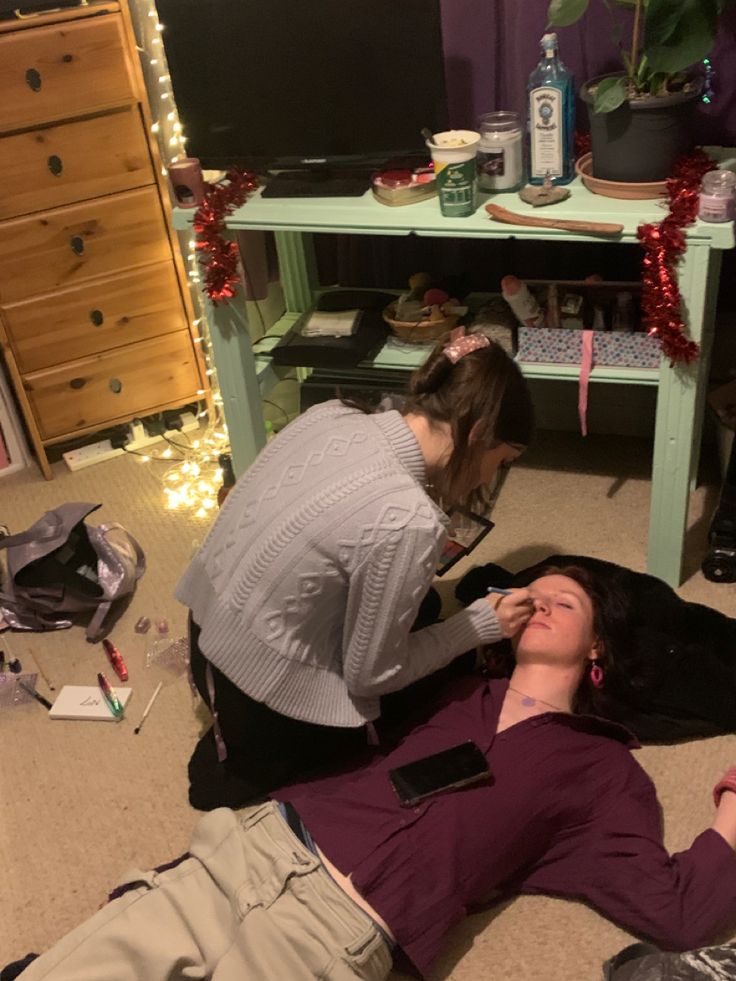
<point x="61" y="248"/>
<point x="63" y="71"/>
<point x="118" y="385"/>
<point x="101" y="315"/>
<point x="58" y="165"/>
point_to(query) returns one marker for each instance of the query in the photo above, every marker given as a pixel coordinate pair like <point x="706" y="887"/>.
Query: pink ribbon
<point x="586" y="366"/>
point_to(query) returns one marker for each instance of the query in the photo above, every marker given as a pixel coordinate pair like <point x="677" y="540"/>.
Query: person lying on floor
<point x="334" y="878"/>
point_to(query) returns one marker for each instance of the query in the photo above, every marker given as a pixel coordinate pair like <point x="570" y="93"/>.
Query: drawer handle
<point x="77" y="383"/>
<point x="55" y="165"/>
<point x="77" y="244"/>
<point x="97" y="317"/>
<point x="115" y="386"/>
<point x="33" y="79"/>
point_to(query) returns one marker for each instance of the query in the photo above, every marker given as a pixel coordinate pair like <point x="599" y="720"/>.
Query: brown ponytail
<point x="483" y="386"/>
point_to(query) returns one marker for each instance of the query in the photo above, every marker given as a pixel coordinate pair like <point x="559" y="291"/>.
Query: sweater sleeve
<point x="381" y="654"/>
<point x="620" y="865"/>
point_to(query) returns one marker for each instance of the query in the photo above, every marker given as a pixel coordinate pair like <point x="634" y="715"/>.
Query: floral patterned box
<point x="564" y="346"/>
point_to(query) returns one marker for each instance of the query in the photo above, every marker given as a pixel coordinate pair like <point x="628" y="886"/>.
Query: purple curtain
<point x="492" y="45"/>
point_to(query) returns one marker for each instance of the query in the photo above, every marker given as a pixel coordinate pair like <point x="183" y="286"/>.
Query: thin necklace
<point x="528" y="700"/>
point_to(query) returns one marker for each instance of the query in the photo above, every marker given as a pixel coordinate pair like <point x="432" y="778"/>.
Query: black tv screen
<point x="279" y="83"/>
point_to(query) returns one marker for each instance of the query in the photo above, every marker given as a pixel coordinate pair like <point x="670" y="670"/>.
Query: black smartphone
<point x="459" y="766"/>
<point x="465" y="530"/>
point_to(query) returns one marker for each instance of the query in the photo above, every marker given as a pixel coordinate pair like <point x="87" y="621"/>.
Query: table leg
<point x="680" y="407"/>
<point x="232" y="352"/>
<point x="232" y="348"/>
<point x="297" y="269"/>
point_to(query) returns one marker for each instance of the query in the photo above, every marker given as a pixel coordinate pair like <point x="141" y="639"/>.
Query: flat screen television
<point x="280" y="84"/>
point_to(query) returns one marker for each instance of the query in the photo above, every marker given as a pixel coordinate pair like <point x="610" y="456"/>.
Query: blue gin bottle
<point x="551" y="127"/>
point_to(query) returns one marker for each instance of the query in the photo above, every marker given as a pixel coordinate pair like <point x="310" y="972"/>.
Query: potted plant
<point x="640" y="116"/>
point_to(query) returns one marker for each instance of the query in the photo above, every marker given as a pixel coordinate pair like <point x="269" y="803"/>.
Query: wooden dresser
<point x="96" y="324"/>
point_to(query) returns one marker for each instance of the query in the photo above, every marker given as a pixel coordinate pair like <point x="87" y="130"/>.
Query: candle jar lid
<point x="720" y="183"/>
<point x="499" y="122"/>
<point x="393" y="178"/>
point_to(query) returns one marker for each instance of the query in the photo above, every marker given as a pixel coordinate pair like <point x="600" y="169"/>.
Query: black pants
<point x="265" y="749"/>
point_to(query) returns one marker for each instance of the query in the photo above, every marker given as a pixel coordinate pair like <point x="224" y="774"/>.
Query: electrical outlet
<point x="141" y="439"/>
<point x="87" y="456"/>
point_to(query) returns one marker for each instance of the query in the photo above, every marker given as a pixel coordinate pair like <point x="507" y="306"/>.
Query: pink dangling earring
<point x="596" y="675"/>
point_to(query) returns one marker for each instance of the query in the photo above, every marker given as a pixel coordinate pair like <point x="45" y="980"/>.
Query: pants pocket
<point x="369" y="955"/>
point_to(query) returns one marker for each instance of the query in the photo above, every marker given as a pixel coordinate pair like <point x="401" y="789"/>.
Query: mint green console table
<point x="246" y="374"/>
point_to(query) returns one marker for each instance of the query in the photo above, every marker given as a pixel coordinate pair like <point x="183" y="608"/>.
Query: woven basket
<point x="422" y="332"/>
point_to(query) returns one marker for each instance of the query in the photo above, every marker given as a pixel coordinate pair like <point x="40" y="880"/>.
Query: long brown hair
<point x="484" y="386"/>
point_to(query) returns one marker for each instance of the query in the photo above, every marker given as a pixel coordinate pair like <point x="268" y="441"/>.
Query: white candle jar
<point x="499" y="160"/>
<point x="717" y="201"/>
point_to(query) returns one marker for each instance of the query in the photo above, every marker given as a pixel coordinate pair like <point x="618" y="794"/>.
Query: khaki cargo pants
<point x="250" y="904"/>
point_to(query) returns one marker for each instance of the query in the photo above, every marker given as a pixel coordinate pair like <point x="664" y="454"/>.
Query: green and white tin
<point x="453" y="155"/>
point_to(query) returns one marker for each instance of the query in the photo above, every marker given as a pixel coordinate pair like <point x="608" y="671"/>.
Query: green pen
<point x="111" y="698"/>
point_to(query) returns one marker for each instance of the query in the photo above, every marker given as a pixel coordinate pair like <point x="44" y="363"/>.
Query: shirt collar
<point x="594" y="724"/>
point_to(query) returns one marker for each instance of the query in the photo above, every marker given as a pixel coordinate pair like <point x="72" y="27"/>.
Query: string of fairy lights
<point x="194" y="475"/>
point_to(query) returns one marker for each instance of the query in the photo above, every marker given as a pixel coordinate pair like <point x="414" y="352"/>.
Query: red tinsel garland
<point x="218" y="254"/>
<point x="664" y="244"/>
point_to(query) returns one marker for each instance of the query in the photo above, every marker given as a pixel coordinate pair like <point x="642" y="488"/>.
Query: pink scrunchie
<point x="460" y="346"/>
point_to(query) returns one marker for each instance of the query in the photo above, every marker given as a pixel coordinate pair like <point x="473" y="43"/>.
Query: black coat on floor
<point x="682" y="654"/>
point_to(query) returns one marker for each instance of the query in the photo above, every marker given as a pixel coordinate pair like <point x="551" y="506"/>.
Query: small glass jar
<point x="500" y="156"/>
<point x="717" y="200"/>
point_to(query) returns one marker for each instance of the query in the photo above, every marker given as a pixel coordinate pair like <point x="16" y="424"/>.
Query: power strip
<point x="87" y="456"/>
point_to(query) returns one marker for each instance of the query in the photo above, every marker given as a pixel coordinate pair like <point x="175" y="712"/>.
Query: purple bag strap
<point x="48" y="527"/>
<point x="29" y="535"/>
<point x="94" y="626"/>
<point x="140" y="558"/>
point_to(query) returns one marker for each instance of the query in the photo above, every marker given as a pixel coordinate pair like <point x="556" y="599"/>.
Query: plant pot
<point x="641" y="140"/>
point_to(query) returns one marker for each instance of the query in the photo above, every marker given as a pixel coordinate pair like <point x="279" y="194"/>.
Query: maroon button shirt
<point x="569" y="812"/>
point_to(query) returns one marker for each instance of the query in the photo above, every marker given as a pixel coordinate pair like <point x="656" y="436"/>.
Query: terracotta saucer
<point x="617" y="189"/>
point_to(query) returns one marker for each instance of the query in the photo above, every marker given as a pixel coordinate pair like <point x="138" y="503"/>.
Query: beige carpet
<point x="82" y="801"/>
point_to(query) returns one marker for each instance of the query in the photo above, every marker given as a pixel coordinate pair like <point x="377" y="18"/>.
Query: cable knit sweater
<point x="307" y="585"/>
